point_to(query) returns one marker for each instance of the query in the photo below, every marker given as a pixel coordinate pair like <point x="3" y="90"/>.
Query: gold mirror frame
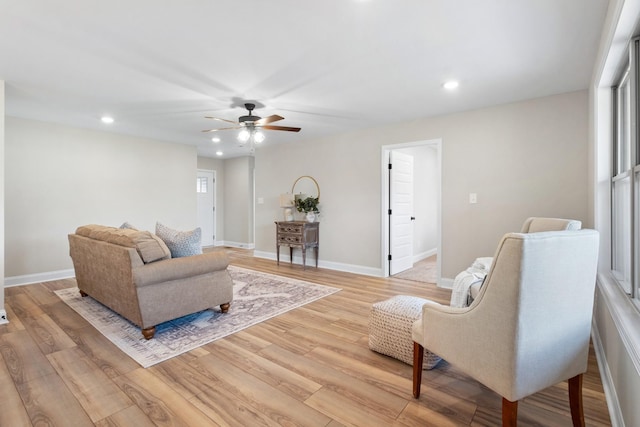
<point x="293" y="189"/>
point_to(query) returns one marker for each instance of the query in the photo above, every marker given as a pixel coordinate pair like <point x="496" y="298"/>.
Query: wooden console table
<point x="297" y="234"/>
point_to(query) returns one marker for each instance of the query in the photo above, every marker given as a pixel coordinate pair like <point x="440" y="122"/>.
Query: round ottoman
<point x="390" y="324"/>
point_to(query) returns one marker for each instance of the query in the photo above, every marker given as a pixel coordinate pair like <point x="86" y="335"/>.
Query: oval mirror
<point x="307" y="186"/>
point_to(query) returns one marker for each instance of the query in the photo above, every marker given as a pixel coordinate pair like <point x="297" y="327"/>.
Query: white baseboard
<point x="3" y="317"/>
<point x="424" y="255"/>
<point x="239" y="245"/>
<point x="297" y="259"/>
<point x="445" y="282"/>
<point x="38" y="277"/>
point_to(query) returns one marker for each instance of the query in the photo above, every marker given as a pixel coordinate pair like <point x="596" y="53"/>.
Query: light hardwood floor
<point x="308" y="367"/>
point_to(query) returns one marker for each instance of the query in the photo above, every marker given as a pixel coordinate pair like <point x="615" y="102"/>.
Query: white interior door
<point x="205" y="188"/>
<point x="401" y="212"/>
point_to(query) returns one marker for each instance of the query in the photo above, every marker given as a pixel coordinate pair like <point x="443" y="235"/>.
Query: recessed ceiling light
<point x="451" y="84"/>
<point x="106" y="119"/>
<point x="218" y="153"/>
<point x="216" y="139"/>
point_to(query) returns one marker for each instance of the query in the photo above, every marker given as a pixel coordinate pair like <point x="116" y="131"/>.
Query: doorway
<point x="424" y="221"/>
<point x="206" y="191"/>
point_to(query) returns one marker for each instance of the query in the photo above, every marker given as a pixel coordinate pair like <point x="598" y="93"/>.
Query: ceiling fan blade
<point x="270" y="119"/>
<point x="216" y="130"/>
<point x="287" y="128"/>
<point x="222" y="120"/>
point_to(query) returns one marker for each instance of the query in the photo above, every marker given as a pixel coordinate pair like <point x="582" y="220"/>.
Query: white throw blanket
<point x="466" y="279"/>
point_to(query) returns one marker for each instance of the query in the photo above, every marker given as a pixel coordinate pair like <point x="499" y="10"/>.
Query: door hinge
<point x="390" y="212"/>
<point x="390" y="166"/>
<point x="389" y="257"/>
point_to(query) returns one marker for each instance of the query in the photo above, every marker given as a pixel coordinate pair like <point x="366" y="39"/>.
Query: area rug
<point x="256" y="297"/>
<point x="423" y="271"/>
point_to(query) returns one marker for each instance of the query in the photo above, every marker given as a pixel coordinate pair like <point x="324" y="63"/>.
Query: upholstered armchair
<point x="467" y="283"/>
<point x="539" y="224"/>
<point x="530" y="325"/>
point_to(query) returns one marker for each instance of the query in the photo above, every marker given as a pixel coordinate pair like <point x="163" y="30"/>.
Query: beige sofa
<point x="132" y="273"/>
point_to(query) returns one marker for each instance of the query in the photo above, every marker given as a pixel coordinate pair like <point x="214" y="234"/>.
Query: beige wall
<point x="60" y="177"/>
<point x="238" y="206"/>
<point x="3" y="314"/>
<point x="522" y="159"/>
<point x="216" y="165"/>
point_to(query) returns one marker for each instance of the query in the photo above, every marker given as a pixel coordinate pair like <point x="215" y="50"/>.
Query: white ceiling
<point x="330" y="66"/>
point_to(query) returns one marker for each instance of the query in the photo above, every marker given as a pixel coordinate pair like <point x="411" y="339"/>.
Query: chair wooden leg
<point x="575" y="401"/>
<point x="509" y="413"/>
<point x="418" y="356"/>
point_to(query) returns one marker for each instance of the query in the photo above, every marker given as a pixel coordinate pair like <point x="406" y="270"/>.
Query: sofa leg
<point x="83" y="294"/>
<point x="225" y="307"/>
<point x="148" y="333"/>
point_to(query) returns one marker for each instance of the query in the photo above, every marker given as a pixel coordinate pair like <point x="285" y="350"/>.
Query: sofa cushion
<point x="150" y="247"/>
<point x="180" y="243"/>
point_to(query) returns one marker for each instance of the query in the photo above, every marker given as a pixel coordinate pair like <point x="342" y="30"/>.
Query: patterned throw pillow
<point x="180" y="243"/>
<point x="126" y="225"/>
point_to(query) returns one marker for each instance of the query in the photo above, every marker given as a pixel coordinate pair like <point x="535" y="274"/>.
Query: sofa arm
<point x="179" y="268"/>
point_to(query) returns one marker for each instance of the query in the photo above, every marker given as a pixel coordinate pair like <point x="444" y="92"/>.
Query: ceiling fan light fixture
<point x="244" y="135"/>
<point x="258" y="137"/>
<point x="251" y="127"/>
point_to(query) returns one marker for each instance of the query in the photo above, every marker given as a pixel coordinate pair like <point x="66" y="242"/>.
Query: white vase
<point x="311" y="216"/>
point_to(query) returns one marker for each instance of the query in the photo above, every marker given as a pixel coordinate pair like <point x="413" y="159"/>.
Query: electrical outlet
<point x="473" y="198"/>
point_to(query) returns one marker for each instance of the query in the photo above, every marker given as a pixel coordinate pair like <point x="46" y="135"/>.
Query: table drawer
<point x="292" y="229"/>
<point x="289" y="238"/>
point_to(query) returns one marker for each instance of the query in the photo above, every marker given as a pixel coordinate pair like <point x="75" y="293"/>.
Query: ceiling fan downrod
<point x="250" y="118"/>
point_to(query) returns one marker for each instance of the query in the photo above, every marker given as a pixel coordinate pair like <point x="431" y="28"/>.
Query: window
<point x="625" y="179"/>
<point x="202" y="184"/>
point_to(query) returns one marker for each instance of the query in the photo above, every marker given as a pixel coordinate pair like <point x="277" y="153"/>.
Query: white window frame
<point x="625" y="179"/>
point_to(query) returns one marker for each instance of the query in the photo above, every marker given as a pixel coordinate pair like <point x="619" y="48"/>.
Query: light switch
<point x="260" y="200"/>
<point x="473" y="198"/>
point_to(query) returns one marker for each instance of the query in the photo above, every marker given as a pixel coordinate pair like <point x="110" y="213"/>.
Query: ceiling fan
<point x="252" y="123"/>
